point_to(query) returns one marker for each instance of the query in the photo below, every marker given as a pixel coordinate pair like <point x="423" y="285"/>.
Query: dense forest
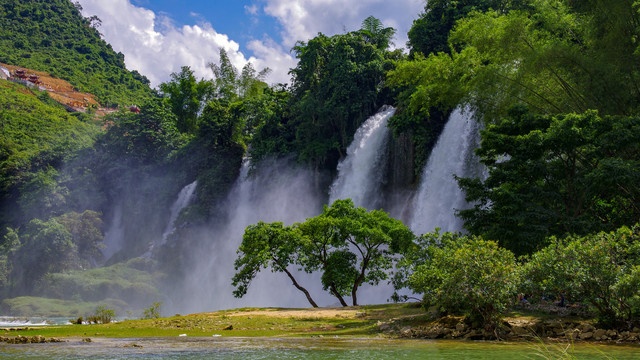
<point x="554" y="83"/>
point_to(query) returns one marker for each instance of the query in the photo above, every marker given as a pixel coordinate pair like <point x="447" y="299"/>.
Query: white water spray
<point x="185" y="196"/>
<point x="277" y="191"/>
<point x="114" y="235"/>
<point x="361" y="173"/>
<point x="439" y="196"/>
<point x="184" y="199"/>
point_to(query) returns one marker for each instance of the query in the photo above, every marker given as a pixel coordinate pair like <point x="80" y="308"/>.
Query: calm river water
<point x="300" y="348"/>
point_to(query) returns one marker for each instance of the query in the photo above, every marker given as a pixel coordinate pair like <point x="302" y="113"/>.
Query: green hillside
<point x="52" y="36"/>
<point x="37" y="133"/>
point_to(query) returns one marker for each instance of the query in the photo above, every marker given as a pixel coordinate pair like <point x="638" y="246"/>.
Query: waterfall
<point x="184" y="199"/>
<point x="114" y="235"/>
<point x="361" y="173"/>
<point x="439" y="196"/>
<point x="277" y="190"/>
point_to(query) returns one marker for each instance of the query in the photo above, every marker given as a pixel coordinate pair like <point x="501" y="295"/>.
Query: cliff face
<point x="401" y="162"/>
<point x="400" y="176"/>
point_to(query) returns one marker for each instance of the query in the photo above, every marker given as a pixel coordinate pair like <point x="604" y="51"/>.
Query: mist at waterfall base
<point x="280" y="190"/>
<point x="277" y="190"/>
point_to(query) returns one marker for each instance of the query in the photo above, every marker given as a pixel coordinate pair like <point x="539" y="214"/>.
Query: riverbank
<point x="383" y="321"/>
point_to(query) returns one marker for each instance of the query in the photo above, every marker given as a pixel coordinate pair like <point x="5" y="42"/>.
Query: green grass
<point x="352" y="321"/>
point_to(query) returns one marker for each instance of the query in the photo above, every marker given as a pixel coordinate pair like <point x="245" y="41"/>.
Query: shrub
<point x="602" y="270"/>
<point x="152" y="312"/>
<point x="468" y="276"/>
<point x="103" y="315"/>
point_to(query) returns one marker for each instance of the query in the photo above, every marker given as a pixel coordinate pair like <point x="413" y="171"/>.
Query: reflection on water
<point x="277" y="348"/>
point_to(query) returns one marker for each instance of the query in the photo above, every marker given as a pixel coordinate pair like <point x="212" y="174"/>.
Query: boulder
<point x="599" y="334"/>
<point x="586" y="335"/>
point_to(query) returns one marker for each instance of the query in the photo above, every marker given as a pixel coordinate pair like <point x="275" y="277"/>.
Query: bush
<point x="467" y="276"/>
<point x="152" y="312"/>
<point x="103" y="315"/>
<point x="602" y="270"/>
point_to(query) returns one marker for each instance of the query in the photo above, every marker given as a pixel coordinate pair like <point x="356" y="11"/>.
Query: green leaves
<point x="553" y="175"/>
<point x="348" y="244"/>
<point x="466" y="275"/>
<point x="601" y="269"/>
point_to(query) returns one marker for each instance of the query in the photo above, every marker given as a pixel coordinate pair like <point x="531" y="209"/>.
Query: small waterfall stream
<point x="185" y="196"/>
<point x="439" y="196"/>
<point x="361" y="173"/>
<point x="184" y="199"/>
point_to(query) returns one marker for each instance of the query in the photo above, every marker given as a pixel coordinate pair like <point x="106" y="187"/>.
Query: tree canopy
<point x="349" y="245"/>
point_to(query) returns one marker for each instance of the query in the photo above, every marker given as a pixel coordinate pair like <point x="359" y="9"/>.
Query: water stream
<point x="439" y="196"/>
<point x="307" y="348"/>
<point x="361" y="173"/>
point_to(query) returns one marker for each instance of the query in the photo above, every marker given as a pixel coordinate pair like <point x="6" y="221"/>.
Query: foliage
<point x="335" y="88"/>
<point x="467" y="275"/>
<point x="186" y="96"/>
<point x="554" y="56"/>
<point x="36" y="136"/>
<point x="602" y="270"/>
<point x="376" y="34"/>
<point x="103" y="315"/>
<point x="36" y="306"/>
<point x="70" y="241"/>
<point x="267" y="246"/>
<point x="133" y="282"/>
<point x="555" y="175"/>
<point x="52" y="36"/>
<point x="152" y="312"/>
<point x="348" y="244"/>
<point x="145" y="138"/>
<point x="231" y="85"/>
<point x="430" y="32"/>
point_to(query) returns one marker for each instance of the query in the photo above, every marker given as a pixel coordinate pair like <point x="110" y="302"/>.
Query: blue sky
<point x="158" y="37"/>
<point x="242" y="20"/>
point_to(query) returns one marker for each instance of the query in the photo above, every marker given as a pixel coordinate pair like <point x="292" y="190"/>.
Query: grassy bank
<point x="390" y="320"/>
<point x="351" y="321"/>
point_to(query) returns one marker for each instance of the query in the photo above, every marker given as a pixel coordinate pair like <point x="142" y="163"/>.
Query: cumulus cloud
<point x="154" y="46"/>
<point x="272" y="55"/>
<point x="303" y="19"/>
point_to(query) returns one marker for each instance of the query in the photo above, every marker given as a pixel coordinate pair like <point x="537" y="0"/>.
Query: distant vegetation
<point x="51" y="36"/>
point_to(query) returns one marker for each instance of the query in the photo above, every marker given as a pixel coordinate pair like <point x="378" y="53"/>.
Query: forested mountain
<point x="52" y="36"/>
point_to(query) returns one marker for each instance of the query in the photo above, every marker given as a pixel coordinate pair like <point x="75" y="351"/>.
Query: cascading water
<point x="361" y="173"/>
<point x="184" y="199"/>
<point x="439" y="196"/>
<point x="114" y="235"/>
<point x="276" y="191"/>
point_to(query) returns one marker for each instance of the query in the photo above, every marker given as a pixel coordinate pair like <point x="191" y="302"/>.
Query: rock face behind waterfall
<point x="400" y="176"/>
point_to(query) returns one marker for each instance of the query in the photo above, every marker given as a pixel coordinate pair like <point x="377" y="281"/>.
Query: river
<point x="304" y="348"/>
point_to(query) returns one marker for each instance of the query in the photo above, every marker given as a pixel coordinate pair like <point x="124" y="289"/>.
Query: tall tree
<point x="376" y="34"/>
<point x="187" y="97"/>
<point x="347" y="244"/>
<point x="555" y="175"/>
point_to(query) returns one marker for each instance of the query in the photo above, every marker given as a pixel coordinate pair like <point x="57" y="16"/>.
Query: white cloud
<point x="303" y="19"/>
<point x="271" y="55"/>
<point x="154" y="46"/>
<point x="253" y="9"/>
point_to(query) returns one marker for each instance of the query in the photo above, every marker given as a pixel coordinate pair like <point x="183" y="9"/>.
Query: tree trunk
<point x="335" y="293"/>
<point x="358" y="281"/>
<point x="306" y="293"/>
